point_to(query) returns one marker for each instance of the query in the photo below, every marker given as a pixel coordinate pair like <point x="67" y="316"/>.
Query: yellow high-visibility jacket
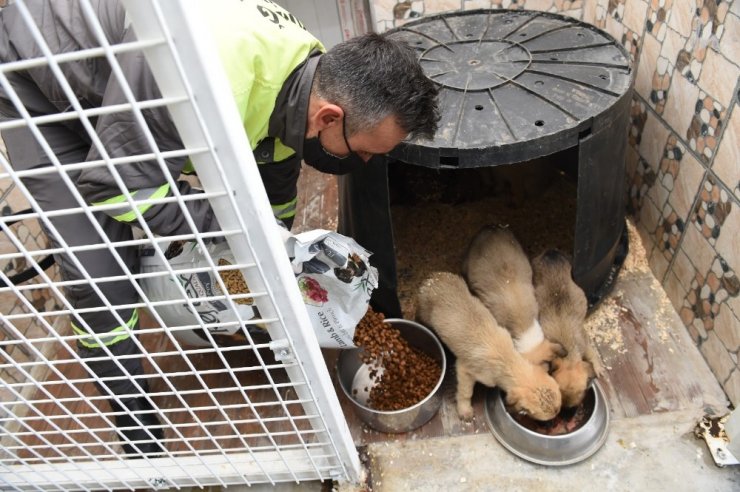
<point x="263" y="48"/>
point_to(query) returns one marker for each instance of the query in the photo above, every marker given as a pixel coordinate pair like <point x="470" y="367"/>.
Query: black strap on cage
<point x="28" y="273"/>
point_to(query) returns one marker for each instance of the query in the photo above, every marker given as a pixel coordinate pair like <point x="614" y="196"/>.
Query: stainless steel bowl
<point x="356" y="382"/>
<point x="559" y="450"/>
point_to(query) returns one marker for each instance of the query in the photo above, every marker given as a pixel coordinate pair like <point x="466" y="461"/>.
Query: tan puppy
<point x="498" y="272"/>
<point x="485" y="352"/>
<point x="563" y="308"/>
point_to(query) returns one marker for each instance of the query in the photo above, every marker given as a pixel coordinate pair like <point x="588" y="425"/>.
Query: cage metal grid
<point x="233" y="414"/>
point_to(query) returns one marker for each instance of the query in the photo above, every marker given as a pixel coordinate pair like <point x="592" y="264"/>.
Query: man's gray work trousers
<point x="70" y="143"/>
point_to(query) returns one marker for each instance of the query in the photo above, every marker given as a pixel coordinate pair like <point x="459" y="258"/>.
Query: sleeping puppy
<point x="485" y="352"/>
<point x="563" y="308"/>
<point x="498" y="272"/>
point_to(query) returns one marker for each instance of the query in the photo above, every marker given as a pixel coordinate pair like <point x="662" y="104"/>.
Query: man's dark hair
<point x="373" y="76"/>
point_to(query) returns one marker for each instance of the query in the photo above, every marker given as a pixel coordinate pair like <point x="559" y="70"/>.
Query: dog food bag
<point x="335" y="280"/>
<point x="332" y="271"/>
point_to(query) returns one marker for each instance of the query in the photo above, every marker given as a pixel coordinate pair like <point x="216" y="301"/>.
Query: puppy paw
<point x="599" y="369"/>
<point x="465" y="411"/>
<point x="593" y="357"/>
<point x="545" y="352"/>
<point x="537" y="359"/>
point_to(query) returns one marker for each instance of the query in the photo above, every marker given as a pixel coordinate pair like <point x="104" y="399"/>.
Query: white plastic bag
<point x="333" y="274"/>
<point x="197" y="285"/>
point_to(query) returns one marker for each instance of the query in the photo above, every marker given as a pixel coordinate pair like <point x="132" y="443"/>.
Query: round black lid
<point x="514" y="84"/>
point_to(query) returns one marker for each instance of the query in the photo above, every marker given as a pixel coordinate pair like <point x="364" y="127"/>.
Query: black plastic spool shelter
<point x="514" y="85"/>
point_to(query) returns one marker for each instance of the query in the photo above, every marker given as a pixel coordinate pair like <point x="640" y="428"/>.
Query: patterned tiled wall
<point x="683" y="155"/>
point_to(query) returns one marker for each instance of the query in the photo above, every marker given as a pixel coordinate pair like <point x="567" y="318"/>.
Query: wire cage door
<point x="249" y="399"/>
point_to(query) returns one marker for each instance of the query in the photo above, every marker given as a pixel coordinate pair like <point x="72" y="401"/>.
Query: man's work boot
<point x="137" y="430"/>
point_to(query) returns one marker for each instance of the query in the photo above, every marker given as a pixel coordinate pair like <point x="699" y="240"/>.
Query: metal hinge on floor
<point x="712" y="430"/>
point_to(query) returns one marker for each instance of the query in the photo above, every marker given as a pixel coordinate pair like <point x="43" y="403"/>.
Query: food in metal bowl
<point x="402" y="375"/>
<point x="565" y="422"/>
<point x="412" y="399"/>
<point x="587" y="434"/>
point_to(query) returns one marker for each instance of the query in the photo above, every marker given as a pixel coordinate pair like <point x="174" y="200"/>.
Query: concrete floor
<point x="651" y="453"/>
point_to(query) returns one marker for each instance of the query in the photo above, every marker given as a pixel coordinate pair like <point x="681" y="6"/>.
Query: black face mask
<point x="319" y="158"/>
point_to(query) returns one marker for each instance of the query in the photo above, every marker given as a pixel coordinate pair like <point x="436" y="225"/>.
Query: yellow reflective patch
<point x="285" y="210"/>
<point x="131" y="323"/>
<point x="131" y="215"/>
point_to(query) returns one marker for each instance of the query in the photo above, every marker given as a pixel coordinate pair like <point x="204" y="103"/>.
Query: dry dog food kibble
<point x="409" y="375"/>
<point x="234" y="281"/>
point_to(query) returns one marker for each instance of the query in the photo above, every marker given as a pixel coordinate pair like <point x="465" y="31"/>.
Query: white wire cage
<point x="258" y="409"/>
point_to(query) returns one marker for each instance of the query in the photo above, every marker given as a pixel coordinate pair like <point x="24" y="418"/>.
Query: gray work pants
<point x="70" y="144"/>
